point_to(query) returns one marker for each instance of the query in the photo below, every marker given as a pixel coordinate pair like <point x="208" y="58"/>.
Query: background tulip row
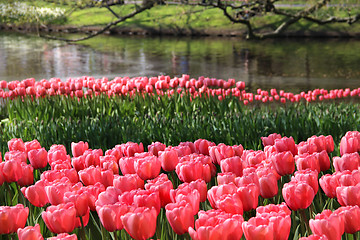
<point x="162" y="85"/>
<point x="199" y="190"/>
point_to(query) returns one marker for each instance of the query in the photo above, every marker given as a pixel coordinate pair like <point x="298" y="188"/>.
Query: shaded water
<point x="284" y="64"/>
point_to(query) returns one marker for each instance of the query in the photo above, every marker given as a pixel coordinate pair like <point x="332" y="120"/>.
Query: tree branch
<point x="148" y="5"/>
<point x="350" y="20"/>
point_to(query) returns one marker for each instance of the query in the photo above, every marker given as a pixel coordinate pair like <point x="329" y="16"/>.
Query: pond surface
<point x="287" y="64"/>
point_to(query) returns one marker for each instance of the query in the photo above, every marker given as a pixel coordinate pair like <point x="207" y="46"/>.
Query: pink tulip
<point x="79" y="148"/>
<point x="329" y="224"/>
<point x="258" y="228"/>
<point x="38" y="158"/>
<point x="12" y="218"/>
<point x="148" y="167"/>
<point x="169" y="159"/>
<point x="298" y="195"/>
<point x="180" y="216"/>
<point x="140" y="223"/>
<point x="110" y="216"/>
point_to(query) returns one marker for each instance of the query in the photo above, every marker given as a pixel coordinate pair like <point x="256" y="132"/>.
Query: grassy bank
<point x="198" y="20"/>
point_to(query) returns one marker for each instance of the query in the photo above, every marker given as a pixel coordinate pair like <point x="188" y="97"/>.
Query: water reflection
<point x="285" y="64"/>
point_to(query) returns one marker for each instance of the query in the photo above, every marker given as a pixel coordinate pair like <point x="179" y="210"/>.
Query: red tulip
<point x="329" y="224"/>
<point x="36" y="194"/>
<point x="16" y="144"/>
<point x="230" y="203"/>
<point x="272" y="208"/>
<point x="79" y="148"/>
<point x="141" y="198"/>
<point x="162" y="185"/>
<point x="34" y="144"/>
<point x="180" y="216"/>
<point x="216" y="192"/>
<point x="93" y="192"/>
<point x="27" y="177"/>
<point x="350" y="143"/>
<point x="268" y="184"/>
<point x="307" y="161"/>
<point x="110" y="216"/>
<point x="38" y="158"/>
<point x="351" y="216"/>
<point x="30" y="233"/>
<point x="225" y="178"/>
<point x="16" y="155"/>
<point x="232" y="164"/>
<point x="92" y="158"/>
<point x="155" y="147"/>
<point x="80" y="200"/>
<point x="258" y="228"/>
<point x="348" y="161"/>
<point x="148" y="167"/>
<point x="298" y="195"/>
<point x="60" y="218"/>
<point x="219" y="152"/>
<point x="199" y="185"/>
<point x="328" y="184"/>
<point x="193" y="170"/>
<point x="56" y="190"/>
<point x="129" y="149"/>
<point x="314" y="237"/>
<point x="252" y="158"/>
<point x="270" y="140"/>
<point x="216" y="224"/>
<point x="249" y="195"/>
<point x="284" y="163"/>
<point x="285" y="144"/>
<point x="309" y="176"/>
<point x="12" y="170"/>
<point x="128" y="182"/>
<point x="108" y="197"/>
<point x="324" y="160"/>
<point x="140" y="223"/>
<point x="348" y="195"/>
<point x="202" y="146"/>
<point x="12" y="218"/>
<point x="169" y="159"/>
<point x="64" y="236"/>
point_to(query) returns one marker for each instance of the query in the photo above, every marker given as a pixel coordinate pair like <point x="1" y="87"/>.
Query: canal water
<point x="289" y="64"/>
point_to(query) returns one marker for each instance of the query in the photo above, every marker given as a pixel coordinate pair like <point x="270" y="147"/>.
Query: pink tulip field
<point x="199" y="158"/>
<point x="198" y="190"/>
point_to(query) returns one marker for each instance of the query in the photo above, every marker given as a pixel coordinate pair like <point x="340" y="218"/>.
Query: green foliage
<point x="105" y="122"/>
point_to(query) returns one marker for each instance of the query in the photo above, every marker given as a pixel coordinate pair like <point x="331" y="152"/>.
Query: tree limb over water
<point x="254" y="14"/>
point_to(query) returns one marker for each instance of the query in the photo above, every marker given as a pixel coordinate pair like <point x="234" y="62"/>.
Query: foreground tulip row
<point x="161" y="85"/>
<point x="195" y="189"/>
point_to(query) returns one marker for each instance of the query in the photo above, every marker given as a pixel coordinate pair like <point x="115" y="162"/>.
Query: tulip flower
<point x="12" y="218"/>
<point x="27" y="177"/>
<point x="348" y="195"/>
<point x="268" y="184"/>
<point x="219" y="152"/>
<point x="184" y="188"/>
<point x="30" y="233"/>
<point x="110" y="216"/>
<point x="180" y="216"/>
<point x="16" y="144"/>
<point x="140" y="223"/>
<point x="169" y="159"/>
<point x="270" y="140"/>
<point x="314" y="237"/>
<point x="351" y="216"/>
<point x="298" y="195"/>
<point x="12" y="170"/>
<point x="215" y="193"/>
<point x="193" y="170"/>
<point x="348" y="161"/>
<point x="307" y="161"/>
<point x="162" y="185"/>
<point x="309" y="176"/>
<point x="155" y="147"/>
<point x="232" y="164"/>
<point x="16" y="155"/>
<point x="34" y="144"/>
<point x="60" y="218"/>
<point x="225" y="178"/>
<point x="258" y="228"/>
<point x="329" y="224"/>
<point x="79" y="148"/>
<point x="148" y="167"/>
<point x="216" y="224"/>
<point x="128" y="182"/>
<point x="350" y="143"/>
<point x="284" y="163"/>
<point x="202" y="146"/>
<point x="328" y="184"/>
<point x="285" y="144"/>
<point x="36" y="194"/>
<point x="38" y="158"/>
<point x="64" y="236"/>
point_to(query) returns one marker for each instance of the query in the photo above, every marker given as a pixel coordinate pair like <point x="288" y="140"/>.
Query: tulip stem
<point x="82" y="230"/>
<point x="115" y="235"/>
<point x="304" y="219"/>
<point x="355" y="236"/>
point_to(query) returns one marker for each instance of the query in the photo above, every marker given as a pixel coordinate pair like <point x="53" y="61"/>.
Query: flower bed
<point x="198" y="189"/>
